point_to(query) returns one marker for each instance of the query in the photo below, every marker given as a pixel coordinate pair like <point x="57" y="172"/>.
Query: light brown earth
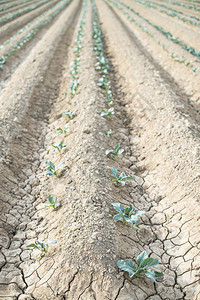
<point x="157" y="123"/>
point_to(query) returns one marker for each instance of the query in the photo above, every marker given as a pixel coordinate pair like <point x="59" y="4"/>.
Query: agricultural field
<point x="100" y="149"/>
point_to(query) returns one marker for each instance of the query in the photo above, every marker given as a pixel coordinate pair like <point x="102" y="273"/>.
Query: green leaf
<point x="108" y="152"/>
<point x="32" y="246"/>
<point x="118" y="217"/>
<point x="150" y="274"/>
<point x="158" y="274"/>
<point x="50" y="198"/>
<point x="129" y="210"/>
<point x="129" y="178"/>
<point x="128" y="266"/>
<point x="120" y="151"/>
<point x="149" y="262"/>
<point x="42" y="244"/>
<point x="49" y="172"/>
<point x="140" y="212"/>
<point x="114" y="172"/>
<point x="118" y="207"/>
<point x="141" y="257"/>
<point x="122" y="175"/>
<point x="133" y="219"/>
<point x="117" y="147"/>
<point x="51" y="165"/>
<point x="54" y="199"/>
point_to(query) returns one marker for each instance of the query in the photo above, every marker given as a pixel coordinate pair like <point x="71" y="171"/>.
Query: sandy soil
<point x="156" y="121"/>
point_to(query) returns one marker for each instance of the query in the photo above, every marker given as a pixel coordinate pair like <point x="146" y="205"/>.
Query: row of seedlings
<point x="13" y="5"/>
<point x="167" y="34"/>
<point x="21" y="30"/>
<point x="190" y="6"/>
<point x="30" y="35"/>
<point x="10" y="16"/>
<point x="53" y="170"/>
<point x="129" y="215"/>
<point x="172" y="13"/>
<point x="173" y="55"/>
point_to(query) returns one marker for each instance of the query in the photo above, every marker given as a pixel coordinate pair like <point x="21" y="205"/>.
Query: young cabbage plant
<point x="128" y="214"/>
<point x="109" y="99"/>
<point x="65" y="130"/>
<point x="41" y="246"/>
<point x="142" y="268"/>
<point x="122" y="178"/>
<point x="108" y="113"/>
<point x="115" y="152"/>
<point x="69" y="114"/>
<point x="59" y="146"/>
<point x="104" y="82"/>
<point x="53" y="202"/>
<point x="109" y="132"/>
<point x="52" y="170"/>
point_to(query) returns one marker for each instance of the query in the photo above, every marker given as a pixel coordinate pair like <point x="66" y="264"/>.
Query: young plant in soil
<point x="65" y="130"/>
<point x="115" y="152"/>
<point x="59" y="146"/>
<point x="109" y="99"/>
<point x="107" y="113"/>
<point x="109" y="132"/>
<point x="53" y="202"/>
<point x="41" y="246"/>
<point x="128" y="214"/>
<point x="120" y="179"/>
<point x="70" y="115"/>
<point x="142" y="268"/>
<point x="52" y="170"/>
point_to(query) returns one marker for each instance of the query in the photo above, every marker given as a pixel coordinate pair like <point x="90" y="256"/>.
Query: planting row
<point x="53" y="170"/>
<point x="10" y="16"/>
<point x="45" y="18"/>
<point x="173" y="55"/>
<point x="11" y="5"/>
<point x="166" y="33"/>
<point x="190" y="6"/>
<point x="170" y="12"/>
<point x="28" y="25"/>
<point x="127" y="215"/>
<point x="176" y="11"/>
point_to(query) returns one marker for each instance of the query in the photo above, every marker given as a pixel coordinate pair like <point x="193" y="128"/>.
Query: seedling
<point x="65" y="130"/>
<point x="108" y="113"/>
<point x="41" y="246"/>
<point x="53" y="202"/>
<point x="110" y="132"/>
<point x="122" y="178"/>
<point x="141" y="269"/>
<point x="104" y="82"/>
<point x="116" y="152"/>
<point x="52" y="170"/>
<point x="109" y="99"/>
<point x="70" y="115"/>
<point x="128" y="214"/>
<point x="59" y="146"/>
